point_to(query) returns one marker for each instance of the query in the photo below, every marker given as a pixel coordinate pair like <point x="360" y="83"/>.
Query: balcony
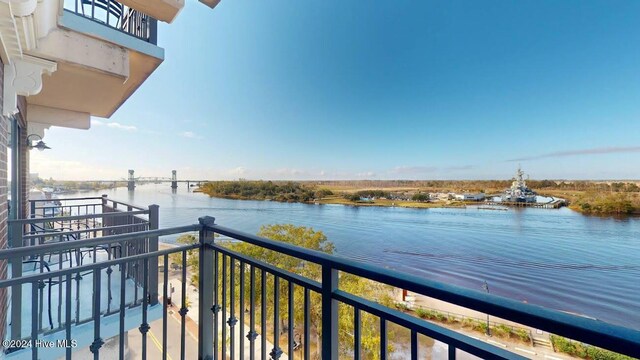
<point x="103" y="51"/>
<point x="117" y="16"/>
<point x="239" y="298"/>
<point x="48" y="307"/>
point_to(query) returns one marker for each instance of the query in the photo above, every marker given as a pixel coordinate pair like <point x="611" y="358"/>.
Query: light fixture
<point x="40" y="145"/>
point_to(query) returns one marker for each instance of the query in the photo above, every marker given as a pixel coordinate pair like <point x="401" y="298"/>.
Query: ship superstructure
<point x="519" y="192"/>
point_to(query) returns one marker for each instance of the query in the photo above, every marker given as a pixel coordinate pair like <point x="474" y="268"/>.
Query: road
<point x="154" y="341"/>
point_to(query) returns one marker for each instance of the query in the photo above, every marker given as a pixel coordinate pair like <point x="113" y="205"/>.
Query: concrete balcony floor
<point x="51" y="325"/>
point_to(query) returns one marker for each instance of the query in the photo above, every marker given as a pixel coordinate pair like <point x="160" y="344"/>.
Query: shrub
<point x="422" y="313"/>
<point x="502" y="331"/>
<point x="522" y="334"/>
<point x="584" y="351"/>
<point x="352" y="197"/>
<point x="420" y="197"/>
<point x="480" y="326"/>
<point x="468" y="323"/>
<point x="442" y="317"/>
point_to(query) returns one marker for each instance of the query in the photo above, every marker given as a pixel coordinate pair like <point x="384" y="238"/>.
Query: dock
<point x="553" y="204"/>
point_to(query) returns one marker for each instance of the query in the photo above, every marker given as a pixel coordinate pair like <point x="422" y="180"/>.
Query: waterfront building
<point x="470" y="196"/>
<point x="80" y="277"/>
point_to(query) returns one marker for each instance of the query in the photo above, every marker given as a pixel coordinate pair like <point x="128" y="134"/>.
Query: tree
<point x="420" y="197"/>
<point x="315" y="240"/>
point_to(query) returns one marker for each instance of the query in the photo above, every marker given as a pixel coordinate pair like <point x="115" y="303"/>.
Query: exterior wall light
<point x="40" y="145"/>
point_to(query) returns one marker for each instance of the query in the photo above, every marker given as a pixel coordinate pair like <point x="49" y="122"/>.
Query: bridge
<point x="132" y="180"/>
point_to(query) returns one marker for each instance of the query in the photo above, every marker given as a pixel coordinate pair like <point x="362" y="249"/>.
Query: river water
<point x="551" y="257"/>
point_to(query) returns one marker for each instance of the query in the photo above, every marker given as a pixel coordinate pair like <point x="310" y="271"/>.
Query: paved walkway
<point x="417" y="300"/>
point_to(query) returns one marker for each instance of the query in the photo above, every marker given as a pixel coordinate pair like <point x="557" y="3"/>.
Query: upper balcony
<point x="247" y="307"/>
<point x="103" y="50"/>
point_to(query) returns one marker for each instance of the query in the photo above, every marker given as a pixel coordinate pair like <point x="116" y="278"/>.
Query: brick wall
<point x="4" y="214"/>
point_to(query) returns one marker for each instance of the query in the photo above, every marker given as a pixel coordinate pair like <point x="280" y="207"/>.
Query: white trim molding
<point x="23" y="77"/>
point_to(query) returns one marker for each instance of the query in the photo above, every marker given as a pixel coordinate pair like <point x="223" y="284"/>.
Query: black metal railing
<point x="118" y="16"/>
<point x="235" y="290"/>
<point x="54" y="222"/>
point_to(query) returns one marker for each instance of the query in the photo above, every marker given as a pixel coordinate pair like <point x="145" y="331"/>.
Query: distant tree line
<point x="598" y="203"/>
<point x="264" y="190"/>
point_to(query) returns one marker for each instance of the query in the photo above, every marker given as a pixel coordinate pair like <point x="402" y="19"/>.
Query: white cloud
<point x="593" y="151"/>
<point x="190" y="135"/>
<point x="114" y="125"/>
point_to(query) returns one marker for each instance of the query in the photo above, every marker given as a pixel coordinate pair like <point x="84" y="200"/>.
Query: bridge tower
<point x="131" y="181"/>
<point x="174" y="179"/>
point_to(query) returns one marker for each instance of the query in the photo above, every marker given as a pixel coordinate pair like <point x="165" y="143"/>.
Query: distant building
<point x="470" y="197"/>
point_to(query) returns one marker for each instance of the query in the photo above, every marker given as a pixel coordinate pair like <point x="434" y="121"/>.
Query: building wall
<point x="4" y="213"/>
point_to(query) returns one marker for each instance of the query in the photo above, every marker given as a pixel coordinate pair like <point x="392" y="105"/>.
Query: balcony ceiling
<point x="78" y="88"/>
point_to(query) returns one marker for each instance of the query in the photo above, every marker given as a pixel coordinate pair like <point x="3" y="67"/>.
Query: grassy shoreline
<point x="588" y="198"/>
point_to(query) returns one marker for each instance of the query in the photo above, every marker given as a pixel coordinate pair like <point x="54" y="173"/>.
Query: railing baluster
<point x="263" y="315"/>
<point x="452" y="352"/>
<point x="252" y="315"/>
<point x="216" y="304"/>
<point x="329" y="313"/>
<point x="60" y="290"/>
<point x="41" y="286"/>
<point x="123" y="280"/>
<point x="34" y="318"/>
<point x="291" y="320"/>
<point x="224" y="307"/>
<point x="276" y="351"/>
<point x="232" y="320"/>
<point x="144" y="327"/>
<point x="97" y="341"/>
<point x="241" y="309"/>
<point x="68" y="315"/>
<point x="414" y="345"/>
<point x="109" y="271"/>
<point x="165" y="314"/>
<point x="356" y="333"/>
<point x="78" y="277"/>
<point x="307" y="324"/>
<point x="183" y="308"/>
<point x="383" y="338"/>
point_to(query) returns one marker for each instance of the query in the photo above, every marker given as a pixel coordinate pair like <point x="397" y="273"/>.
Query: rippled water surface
<point x="555" y="258"/>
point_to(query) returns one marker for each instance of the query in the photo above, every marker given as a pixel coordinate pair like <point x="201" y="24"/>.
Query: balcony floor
<point x="81" y="306"/>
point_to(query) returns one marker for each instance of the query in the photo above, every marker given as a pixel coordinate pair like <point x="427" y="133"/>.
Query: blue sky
<point x="381" y="90"/>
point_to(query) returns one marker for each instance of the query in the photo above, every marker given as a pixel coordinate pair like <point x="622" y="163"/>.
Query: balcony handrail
<point x="587" y="330"/>
<point x="68" y="199"/>
<point x="76" y="217"/>
<point x="118" y="17"/>
<point x="92" y="266"/>
<point x="53" y="232"/>
<point x="128" y="205"/>
<point x="11" y="253"/>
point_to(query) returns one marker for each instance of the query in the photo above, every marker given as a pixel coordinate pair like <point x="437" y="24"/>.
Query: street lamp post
<point x="485" y="286"/>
